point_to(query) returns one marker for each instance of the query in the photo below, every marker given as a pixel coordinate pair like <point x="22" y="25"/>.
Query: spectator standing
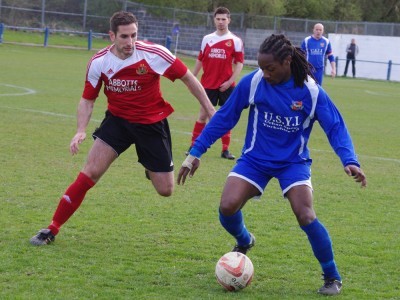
<point x="219" y="51"/>
<point x="317" y="48"/>
<point x="352" y="52"/>
<point x="284" y="103"/>
<point x="136" y="114"/>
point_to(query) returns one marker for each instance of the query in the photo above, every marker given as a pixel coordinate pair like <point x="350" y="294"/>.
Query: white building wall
<point x="373" y="57"/>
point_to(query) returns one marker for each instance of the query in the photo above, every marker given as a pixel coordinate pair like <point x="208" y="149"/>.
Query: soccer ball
<point x="234" y="271"/>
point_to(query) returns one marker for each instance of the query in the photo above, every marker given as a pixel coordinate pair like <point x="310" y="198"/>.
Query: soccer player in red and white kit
<point x="137" y="114"/>
<point x="219" y="51"/>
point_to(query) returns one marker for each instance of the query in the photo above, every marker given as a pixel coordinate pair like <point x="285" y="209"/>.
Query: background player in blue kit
<point x="317" y="47"/>
<point x="284" y="101"/>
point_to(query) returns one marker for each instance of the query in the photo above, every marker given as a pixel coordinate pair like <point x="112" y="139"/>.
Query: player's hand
<point x="224" y="86"/>
<point x="189" y="166"/>
<point x="357" y="174"/>
<point x="333" y="73"/>
<point x="76" y="140"/>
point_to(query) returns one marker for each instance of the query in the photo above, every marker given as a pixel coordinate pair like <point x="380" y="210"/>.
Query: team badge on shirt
<point x="141" y="70"/>
<point x="228" y="44"/>
<point x="322" y="44"/>
<point x="297" y="105"/>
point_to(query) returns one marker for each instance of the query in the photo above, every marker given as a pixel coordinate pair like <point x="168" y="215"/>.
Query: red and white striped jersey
<point x="217" y="55"/>
<point x="132" y="85"/>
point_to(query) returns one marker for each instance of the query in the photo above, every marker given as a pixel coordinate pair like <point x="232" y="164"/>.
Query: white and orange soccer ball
<point x="234" y="271"/>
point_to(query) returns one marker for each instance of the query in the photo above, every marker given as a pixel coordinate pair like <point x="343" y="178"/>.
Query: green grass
<point x="54" y="39"/>
<point x="126" y="242"/>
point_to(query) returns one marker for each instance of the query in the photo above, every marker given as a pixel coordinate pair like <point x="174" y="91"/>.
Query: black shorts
<point x="219" y="98"/>
<point x="152" y="141"/>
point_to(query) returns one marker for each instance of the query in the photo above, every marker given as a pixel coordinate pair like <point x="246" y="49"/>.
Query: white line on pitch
<point x="27" y="90"/>
<point x="380" y="94"/>
<point x="366" y="156"/>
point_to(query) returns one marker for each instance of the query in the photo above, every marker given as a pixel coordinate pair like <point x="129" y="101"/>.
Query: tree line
<point x="387" y="11"/>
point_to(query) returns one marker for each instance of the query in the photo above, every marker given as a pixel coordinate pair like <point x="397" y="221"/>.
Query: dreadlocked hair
<point x="280" y="47"/>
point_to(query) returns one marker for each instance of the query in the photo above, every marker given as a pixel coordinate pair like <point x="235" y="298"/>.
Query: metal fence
<point x="159" y="24"/>
<point x="42" y="13"/>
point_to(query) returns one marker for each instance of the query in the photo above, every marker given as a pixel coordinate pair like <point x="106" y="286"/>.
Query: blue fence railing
<point x="47" y="32"/>
<point x="1" y="32"/>
<point x="389" y="64"/>
<point x="90" y="35"/>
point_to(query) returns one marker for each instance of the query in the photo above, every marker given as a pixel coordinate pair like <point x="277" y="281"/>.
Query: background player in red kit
<point x="219" y="50"/>
<point x="136" y="114"/>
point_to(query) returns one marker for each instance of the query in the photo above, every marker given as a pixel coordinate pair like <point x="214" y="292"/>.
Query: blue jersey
<point x="316" y="50"/>
<point x="280" y="121"/>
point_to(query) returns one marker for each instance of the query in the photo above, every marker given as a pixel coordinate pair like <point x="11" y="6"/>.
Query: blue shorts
<point x="319" y="75"/>
<point x="288" y="175"/>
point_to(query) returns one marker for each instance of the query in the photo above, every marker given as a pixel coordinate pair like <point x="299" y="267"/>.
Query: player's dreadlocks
<point x="280" y="47"/>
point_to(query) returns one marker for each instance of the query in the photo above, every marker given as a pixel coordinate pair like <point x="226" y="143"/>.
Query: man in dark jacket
<point x="352" y="51"/>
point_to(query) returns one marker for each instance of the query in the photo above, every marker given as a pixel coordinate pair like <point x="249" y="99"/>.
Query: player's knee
<point x="166" y="190"/>
<point x="202" y="119"/>
<point x="163" y="183"/>
<point x="228" y="208"/>
<point x="305" y="217"/>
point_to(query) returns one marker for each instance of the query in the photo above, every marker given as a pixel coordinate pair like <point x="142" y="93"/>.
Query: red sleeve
<point x="239" y="57"/>
<point x="90" y="92"/>
<point x="200" y="56"/>
<point x="177" y="70"/>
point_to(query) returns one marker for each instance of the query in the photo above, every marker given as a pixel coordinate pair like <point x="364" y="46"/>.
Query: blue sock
<point x="235" y="226"/>
<point x="321" y="245"/>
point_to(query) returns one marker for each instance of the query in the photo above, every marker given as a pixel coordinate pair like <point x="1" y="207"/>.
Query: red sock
<point x="198" y="128"/>
<point x="70" y="201"/>
<point x="226" y="140"/>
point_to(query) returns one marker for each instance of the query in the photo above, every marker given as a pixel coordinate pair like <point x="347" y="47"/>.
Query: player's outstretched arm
<point x="85" y="109"/>
<point x="357" y="174"/>
<point x="189" y="167"/>
<point x="198" y="91"/>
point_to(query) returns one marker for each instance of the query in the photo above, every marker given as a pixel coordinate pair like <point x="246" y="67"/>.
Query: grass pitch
<point x="126" y="242"/>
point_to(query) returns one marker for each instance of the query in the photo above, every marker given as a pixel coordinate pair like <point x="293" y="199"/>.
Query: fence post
<point x="46" y="36"/>
<point x="43" y="12"/>
<point x="389" y="70"/>
<point x="1" y="32"/>
<point x="90" y="36"/>
<point x="168" y="41"/>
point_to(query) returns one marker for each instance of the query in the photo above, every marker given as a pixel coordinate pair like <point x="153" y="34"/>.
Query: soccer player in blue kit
<point x="284" y="101"/>
<point x="316" y="47"/>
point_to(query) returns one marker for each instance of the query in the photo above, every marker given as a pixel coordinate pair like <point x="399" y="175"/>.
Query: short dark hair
<point x="121" y="18"/>
<point x="222" y="11"/>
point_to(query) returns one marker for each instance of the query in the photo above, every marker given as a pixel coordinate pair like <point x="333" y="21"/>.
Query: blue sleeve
<point x="303" y="45"/>
<point x="335" y="129"/>
<point x="330" y="53"/>
<point x="224" y="119"/>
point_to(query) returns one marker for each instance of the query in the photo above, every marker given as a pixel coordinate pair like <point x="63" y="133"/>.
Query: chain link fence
<point x="166" y="26"/>
<point x="41" y="13"/>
